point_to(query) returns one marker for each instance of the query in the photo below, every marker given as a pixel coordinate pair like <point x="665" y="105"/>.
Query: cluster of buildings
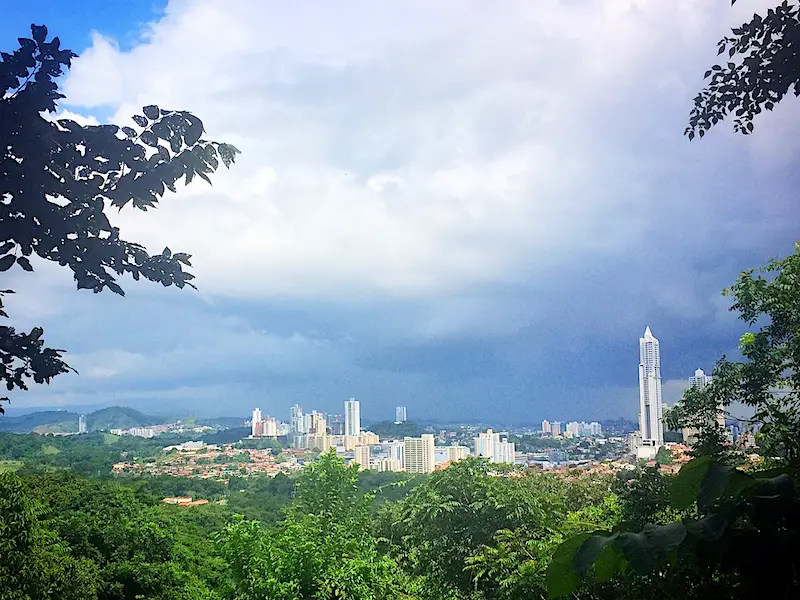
<point x="321" y="432"/>
<point x="573" y="429"/>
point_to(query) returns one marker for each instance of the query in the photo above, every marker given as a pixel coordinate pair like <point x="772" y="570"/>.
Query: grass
<point x="49" y="450"/>
<point x="109" y="438"/>
<point x="10" y="465"/>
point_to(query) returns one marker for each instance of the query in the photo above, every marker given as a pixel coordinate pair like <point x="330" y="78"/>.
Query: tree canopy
<point x="764" y="66"/>
<point x="58" y="178"/>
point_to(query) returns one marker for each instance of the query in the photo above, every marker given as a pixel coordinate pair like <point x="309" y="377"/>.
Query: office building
<point x="555" y="428"/>
<point x="297" y="423"/>
<point x="574" y="429"/>
<point x="546" y="427"/>
<point x="595" y="429"/>
<point x="400" y="415"/>
<point x="352" y="417"/>
<point x="361" y="455"/>
<point x="420" y="454"/>
<point x="82" y="424"/>
<point x="651" y="422"/>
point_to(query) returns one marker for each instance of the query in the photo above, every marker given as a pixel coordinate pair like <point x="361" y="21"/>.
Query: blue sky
<point x="468" y="211"/>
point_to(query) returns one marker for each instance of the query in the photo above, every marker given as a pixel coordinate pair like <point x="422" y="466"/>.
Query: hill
<point x="41" y="421"/>
<point x="119" y="417"/>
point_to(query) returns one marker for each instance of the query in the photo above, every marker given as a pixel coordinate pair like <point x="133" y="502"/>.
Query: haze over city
<point x="465" y="211"/>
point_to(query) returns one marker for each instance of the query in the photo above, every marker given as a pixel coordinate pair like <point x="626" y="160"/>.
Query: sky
<point x="471" y="210"/>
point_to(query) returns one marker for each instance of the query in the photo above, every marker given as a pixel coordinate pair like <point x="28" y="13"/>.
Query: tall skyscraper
<point x="420" y="454"/>
<point x="255" y="423"/>
<point x="297" y="423"/>
<point x="545" y="426"/>
<point x="400" y="414"/>
<point x="352" y="417"/>
<point x="82" y="424"/>
<point x="651" y="423"/>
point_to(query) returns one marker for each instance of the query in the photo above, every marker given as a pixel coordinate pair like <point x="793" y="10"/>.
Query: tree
<point x="56" y="178"/>
<point x="768" y="380"/>
<point x="766" y="67"/>
<point x="323" y="550"/>
<point x="34" y="564"/>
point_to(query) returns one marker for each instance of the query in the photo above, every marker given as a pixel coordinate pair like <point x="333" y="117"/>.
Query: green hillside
<point x="39" y="421"/>
<point x="62" y="421"/>
<point x="119" y="417"/>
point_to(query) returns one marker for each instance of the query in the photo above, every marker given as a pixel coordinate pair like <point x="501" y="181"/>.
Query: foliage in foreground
<point x="57" y="178"/>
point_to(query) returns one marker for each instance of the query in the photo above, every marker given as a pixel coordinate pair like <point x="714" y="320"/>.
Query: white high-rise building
<point x="595" y="429"/>
<point x="420" y="454"/>
<point x="352" y="417"/>
<point x="456" y="453"/>
<point x="651" y="423"/>
<point x="297" y="421"/>
<point x="82" y="424"/>
<point x="545" y="426"/>
<point x="700" y="379"/>
<point x="400" y="414"/>
<point x="255" y="423"/>
<point x="269" y="427"/>
<point x="574" y="429"/>
<point x="491" y="446"/>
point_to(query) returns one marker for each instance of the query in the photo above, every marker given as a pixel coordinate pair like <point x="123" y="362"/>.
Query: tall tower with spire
<point x="651" y="421"/>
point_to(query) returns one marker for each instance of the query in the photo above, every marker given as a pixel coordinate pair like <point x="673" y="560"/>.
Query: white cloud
<point x="405" y="148"/>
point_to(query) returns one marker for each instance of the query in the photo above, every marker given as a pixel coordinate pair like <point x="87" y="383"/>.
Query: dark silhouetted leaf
<point x="151" y="112"/>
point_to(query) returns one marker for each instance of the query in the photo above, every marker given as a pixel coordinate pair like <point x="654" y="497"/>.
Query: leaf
<point x="151" y="112"/>
<point x="708" y="529"/>
<point x="24" y="263"/>
<point x="561" y="578"/>
<point x="687" y="483"/>
<point x="167" y="252"/>
<point x="608" y="564"/>
<point x="140" y="120"/>
<point x="129" y="132"/>
<point x="7" y="262"/>
<point x="587" y="554"/>
<point x="6" y="247"/>
<point x="39" y="33"/>
<point x="193" y="131"/>
<point x="149" y="138"/>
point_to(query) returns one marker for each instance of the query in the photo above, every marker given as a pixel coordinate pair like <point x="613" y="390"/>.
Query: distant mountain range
<point x="62" y="421"/>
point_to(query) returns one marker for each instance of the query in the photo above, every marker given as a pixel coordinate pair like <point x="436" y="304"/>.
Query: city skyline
<point x="377" y="246"/>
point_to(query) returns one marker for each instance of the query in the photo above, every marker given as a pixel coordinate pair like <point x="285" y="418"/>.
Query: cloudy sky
<point x="472" y="209"/>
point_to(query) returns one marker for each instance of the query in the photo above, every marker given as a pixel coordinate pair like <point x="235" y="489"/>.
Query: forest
<point x="726" y="526"/>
